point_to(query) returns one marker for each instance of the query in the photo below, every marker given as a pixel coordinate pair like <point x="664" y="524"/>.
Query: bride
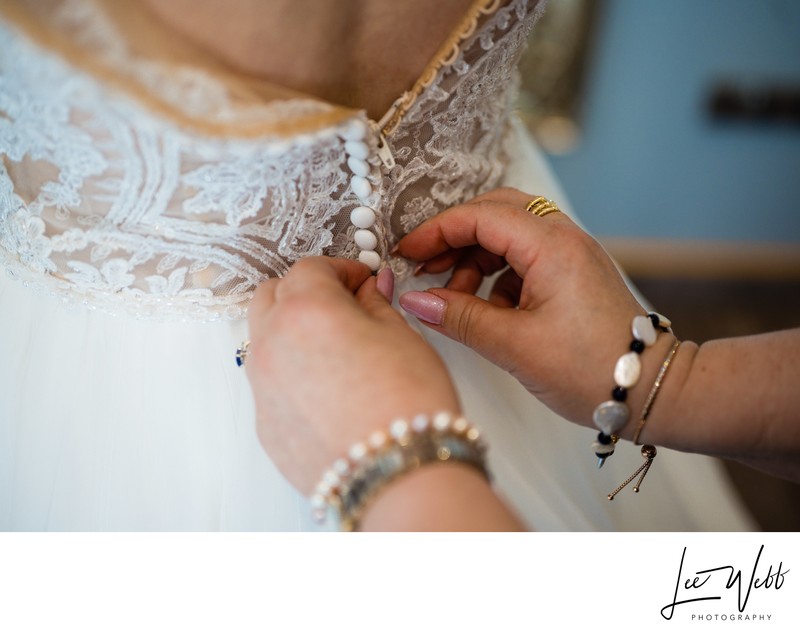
<point x="160" y="159"/>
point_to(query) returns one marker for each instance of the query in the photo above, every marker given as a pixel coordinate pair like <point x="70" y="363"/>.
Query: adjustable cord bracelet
<point x="351" y="482"/>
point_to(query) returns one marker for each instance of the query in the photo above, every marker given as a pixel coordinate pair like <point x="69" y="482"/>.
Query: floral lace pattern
<point x="106" y="203"/>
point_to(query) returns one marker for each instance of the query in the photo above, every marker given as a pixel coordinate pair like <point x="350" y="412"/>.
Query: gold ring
<point x="241" y="353"/>
<point x="541" y="207"/>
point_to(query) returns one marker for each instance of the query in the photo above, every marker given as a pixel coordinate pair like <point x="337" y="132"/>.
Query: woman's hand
<point x="330" y="362"/>
<point x="558" y="317"/>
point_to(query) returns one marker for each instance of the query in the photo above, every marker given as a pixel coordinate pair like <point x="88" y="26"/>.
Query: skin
<point x="358" y="53"/>
<point x="559" y="318"/>
<point x="325" y="338"/>
<point x="330" y="362"/>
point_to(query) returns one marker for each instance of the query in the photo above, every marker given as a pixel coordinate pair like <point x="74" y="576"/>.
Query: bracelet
<point x="351" y="482"/>
<point x="648" y="450"/>
<point x="610" y="416"/>
<point x="651" y="397"/>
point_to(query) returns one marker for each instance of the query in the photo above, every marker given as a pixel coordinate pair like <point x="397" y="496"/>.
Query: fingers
<point x="263" y="299"/>
<point x="506" y="290"/>
<point x="372" y="299"/>
<point x="496" y="221"/>
<point x="318" y="277"/>
<point x="474" y="322"/>
<point x="474" y="265"/>
<point x="319" y="273"/>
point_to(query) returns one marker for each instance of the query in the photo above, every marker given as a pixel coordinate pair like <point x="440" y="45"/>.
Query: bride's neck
<point x="359" y="53"/>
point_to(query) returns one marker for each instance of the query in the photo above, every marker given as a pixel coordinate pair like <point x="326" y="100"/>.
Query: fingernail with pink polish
<point x="425" y="306"/>
<point x="385" y="283"/>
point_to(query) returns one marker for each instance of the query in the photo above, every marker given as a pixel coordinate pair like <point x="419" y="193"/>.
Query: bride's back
<point x="358" y="53"/>
<point x="164" y="163"/>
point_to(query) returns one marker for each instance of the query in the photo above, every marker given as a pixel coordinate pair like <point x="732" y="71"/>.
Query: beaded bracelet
<point x="610" y="416"/>
<point x="648" y="450"/>
<point x="351" y="482"/>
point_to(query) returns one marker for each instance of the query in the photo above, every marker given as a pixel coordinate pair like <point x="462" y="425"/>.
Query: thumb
<point x="375" y="297"/>
<point x="476" y="323"/>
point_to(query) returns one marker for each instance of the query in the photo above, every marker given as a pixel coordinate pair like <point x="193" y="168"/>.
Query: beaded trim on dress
<point x="105" y="202"/>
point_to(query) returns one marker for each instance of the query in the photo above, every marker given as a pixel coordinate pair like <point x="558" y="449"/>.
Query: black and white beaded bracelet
<point x="612" y="415"/>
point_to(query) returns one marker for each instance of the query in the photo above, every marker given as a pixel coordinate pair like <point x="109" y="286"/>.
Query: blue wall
<point x="651" y="163"/>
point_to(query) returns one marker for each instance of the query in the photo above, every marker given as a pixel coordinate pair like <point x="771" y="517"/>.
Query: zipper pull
<point x="384" y="152"/>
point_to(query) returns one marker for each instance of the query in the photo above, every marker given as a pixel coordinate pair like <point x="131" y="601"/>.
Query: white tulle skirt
<point x="109" y="423"/>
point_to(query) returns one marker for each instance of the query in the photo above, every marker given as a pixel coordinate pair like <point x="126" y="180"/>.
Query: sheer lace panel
<point x="106" y="201"/>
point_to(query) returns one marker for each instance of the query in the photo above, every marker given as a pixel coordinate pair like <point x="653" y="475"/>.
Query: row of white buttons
<point x="363" y="217"/>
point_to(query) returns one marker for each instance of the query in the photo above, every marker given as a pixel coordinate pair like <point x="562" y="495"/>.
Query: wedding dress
<point x="145" y="190"/>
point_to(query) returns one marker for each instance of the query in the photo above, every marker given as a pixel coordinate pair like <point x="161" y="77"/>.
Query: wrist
<point x="384" y="457"/>
<point x="439" y="497"/>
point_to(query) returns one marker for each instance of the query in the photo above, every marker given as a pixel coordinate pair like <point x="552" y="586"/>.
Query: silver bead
<point x="611" y="416"/>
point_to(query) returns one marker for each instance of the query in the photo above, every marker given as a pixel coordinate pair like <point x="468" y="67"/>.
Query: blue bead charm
<point x="241" y="353"/>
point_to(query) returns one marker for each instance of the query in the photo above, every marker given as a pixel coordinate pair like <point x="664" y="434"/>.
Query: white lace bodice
<point x="113" y="202"/>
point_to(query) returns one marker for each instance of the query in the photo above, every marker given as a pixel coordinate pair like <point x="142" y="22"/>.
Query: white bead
<point x="664" y="322"/>
<point x="359" y="167"/>
<point x="361" y="187"/>
<point x="377" y="439"/>
<point x="370" y="258"/>
<point x="627" y="370"/>
<point x="611" y="416"/>
<point x="355" y="130"/>
<point x="319" y="515"/>
<point x="460" y="426"/>
<point x="643" y="330"/>
<point x="473" y="435"/>
<point x="442" y="421"/>
<point x="420" y="423"/>
<point x="365" y="239"/>
<point x="358" y="451"/>
<point x="356" y="149"/>
<point x="322" y="488"/>
<point x="399" y="429"/>
<point x="600" y="448"/>
<point x="362" y="217"/>
<point x="341" y="467"/>
<point x="332" y="479"/>
<point x="318" y="501"/>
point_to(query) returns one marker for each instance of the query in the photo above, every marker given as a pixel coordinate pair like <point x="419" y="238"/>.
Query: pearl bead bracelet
<point x="352" y="481"/>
